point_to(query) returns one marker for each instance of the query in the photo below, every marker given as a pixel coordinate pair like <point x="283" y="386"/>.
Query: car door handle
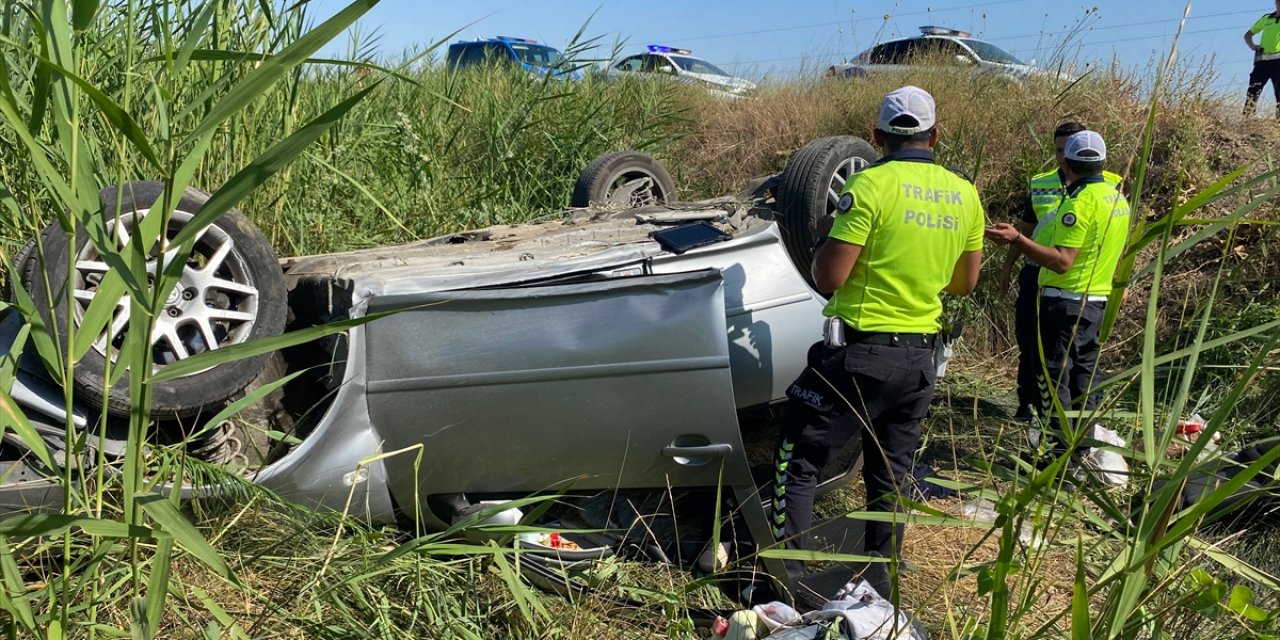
<point x="703" y="451"/>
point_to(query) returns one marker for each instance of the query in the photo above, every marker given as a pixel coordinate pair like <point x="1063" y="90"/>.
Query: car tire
<point x="623" y="178"/>
<point x="24" y="264"/>
<point x="810" y="187"/>
<point x="241" y="298"/>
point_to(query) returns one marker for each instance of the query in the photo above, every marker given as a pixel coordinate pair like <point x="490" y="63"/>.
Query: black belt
<point x="889" y="339"/>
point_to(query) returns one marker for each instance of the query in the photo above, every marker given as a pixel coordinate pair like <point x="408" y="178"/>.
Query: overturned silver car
<point x="625" y="357"/>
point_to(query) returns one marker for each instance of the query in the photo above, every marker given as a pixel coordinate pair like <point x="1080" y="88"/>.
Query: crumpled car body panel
<point x="543" y="357"/>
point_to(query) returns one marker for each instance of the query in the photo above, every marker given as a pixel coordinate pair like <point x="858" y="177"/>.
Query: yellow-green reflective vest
<point x="1046" y="190"/>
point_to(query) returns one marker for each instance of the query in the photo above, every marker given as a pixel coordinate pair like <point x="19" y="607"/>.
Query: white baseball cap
<point x="907" y="101"/>
<point x="1085" y="146"/>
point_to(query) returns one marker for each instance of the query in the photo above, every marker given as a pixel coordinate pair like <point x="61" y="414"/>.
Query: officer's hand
<point x="823" y="228"/>
<point x="1002" y="282"/>
<point x="1002" y="233"/>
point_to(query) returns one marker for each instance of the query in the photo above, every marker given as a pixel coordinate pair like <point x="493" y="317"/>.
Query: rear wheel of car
<point x="811" y="186"/>
<point x="231" y="291"/>
<point x="623" y="178"/>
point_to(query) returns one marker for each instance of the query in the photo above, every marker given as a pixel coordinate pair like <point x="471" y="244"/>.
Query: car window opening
<point x="694" y="65"/>
<point x="991" y="53"/>
<point x="536" y="54"/>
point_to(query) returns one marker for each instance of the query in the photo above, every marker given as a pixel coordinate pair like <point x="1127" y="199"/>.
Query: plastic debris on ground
<point x="983" y="510"/>
<point x="856" y="613"/>
<point x="1187" y="433"/>
<point x="1108" y="466"/>
<point x="551" y="539"/>
<point x="980" y="510"/>
<point x="714" y="557"/>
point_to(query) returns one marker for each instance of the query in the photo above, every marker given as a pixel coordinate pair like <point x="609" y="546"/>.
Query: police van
<point x="527" y="54"/>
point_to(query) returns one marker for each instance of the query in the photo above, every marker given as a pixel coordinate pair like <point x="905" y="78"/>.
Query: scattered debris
<point x="1108" y="466"/>
<point x="858" y="612"/>
<point x="983" y="510"/>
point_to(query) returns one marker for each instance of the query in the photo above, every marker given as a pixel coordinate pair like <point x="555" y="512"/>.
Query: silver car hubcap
<point x="213" y="305"/>
<point x="835" y="186"/>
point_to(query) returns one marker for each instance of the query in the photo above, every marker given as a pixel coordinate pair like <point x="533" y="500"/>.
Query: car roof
<point x="958" y="39"/>
<point x="662" y="54"/>
<point x="926" y="36"/>
<point x="672" y="54"/>
<point x="503" y="40"/>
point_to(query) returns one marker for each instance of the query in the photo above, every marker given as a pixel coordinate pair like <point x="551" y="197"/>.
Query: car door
<point x="943" y="52"/>
<point x="658" y="65"/>
<point x="908" y="54"/>
<point x="471" y="56"/>
<point x="497" y="54"/>
<point x="613" y="382"/>
<point x="890" y="57"/>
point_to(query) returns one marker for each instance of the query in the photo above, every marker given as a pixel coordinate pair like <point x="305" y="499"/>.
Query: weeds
<point x="332" y="155"/>
<point x="74" y="138"/>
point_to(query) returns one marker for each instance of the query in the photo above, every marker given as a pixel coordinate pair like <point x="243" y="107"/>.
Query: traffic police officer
<point x="1266" y="60"/>
<point x="905" y="230"/>
<point x="1078" y="247"/>
<point x="1044" y="194"/>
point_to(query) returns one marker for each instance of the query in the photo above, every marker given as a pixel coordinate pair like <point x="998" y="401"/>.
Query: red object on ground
<point x="1187" y="427"/>
<point x="555" y="540"/>
<point x="720" y="627"/>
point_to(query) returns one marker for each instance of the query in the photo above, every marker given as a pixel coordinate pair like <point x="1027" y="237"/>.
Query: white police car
<point x="682" y="65"/>
<point x="937" y="47"/>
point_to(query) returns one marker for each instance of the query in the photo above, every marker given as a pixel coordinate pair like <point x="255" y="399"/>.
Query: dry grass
<point x="999" y="132"/>
<point x="991" y="128"/>
<point x="932" y="592"/>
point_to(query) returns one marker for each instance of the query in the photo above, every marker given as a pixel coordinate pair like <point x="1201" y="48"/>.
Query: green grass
<point x="325" y="157"/>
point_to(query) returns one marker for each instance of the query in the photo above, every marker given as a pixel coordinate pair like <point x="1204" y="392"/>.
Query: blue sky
<point x="757" y="37"/>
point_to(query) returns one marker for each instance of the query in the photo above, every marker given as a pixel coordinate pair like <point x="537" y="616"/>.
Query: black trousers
<point x="878" y="392"/>
<point x="1264" y="71"/>
<point x="1069" y="333"/>
<point x="1026" y="330"/>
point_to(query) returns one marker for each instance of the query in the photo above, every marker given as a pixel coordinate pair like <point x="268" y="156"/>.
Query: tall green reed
<point x="1140" y="553"/>
<point x="101" y="95"/>
<point x="149" y="91"/>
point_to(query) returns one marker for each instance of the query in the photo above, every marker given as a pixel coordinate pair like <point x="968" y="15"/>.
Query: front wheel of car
<point x="811" y="186"/>
<point x="231" y="291"/>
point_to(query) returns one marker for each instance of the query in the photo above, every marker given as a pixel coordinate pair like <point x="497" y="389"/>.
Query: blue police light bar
<point x="510" y="39"/>
<point x="657" y="48"/>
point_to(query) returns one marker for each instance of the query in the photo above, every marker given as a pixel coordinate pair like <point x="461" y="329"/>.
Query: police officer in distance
<point x="905" y="230"/>
<point x="1044" y="194"/>
<point x="1266" y="60"/>
<point x="1078" y="246"/>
